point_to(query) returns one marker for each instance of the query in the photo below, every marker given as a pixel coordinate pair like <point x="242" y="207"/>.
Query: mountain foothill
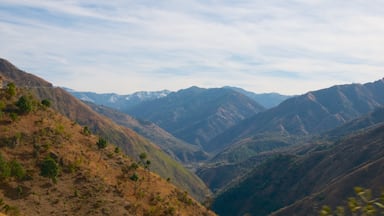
<point x="235" y="151"/>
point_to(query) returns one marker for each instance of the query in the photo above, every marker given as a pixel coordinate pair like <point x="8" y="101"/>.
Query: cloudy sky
<point x="123" y="46"/>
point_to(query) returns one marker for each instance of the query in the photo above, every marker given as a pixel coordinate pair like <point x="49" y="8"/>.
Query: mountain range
<point x="293" y="183"/>
<point x="197" y="115"/>
<point x="116" y="101"/>
<point x="260" y="154"/>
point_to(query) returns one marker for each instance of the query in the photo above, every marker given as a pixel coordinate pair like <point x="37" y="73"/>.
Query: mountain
<point x="116" y="101"/>
<point x="299" y="182"/>
<point x="49" y="166"/>
<point x="178" y="149"/>
<point x="312" y="113"/>
<point x="197" y="115"/>
<point x="130" y="142"/>
<point x="240" y="158"/>
<point x="358" y="125"/>
<point x="268" y="100"/>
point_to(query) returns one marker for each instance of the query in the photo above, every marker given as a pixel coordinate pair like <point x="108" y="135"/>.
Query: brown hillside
<point x="91" y="181"/>
<point x="130" y="142"/>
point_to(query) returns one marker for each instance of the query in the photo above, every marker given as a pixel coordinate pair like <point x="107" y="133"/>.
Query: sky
<point x="124" y="46"/>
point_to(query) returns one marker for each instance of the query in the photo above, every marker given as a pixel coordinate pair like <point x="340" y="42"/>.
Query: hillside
<point x="130" y="142"/>
<point x="303" y="181"/>
<point x="240" y="158"/>
<point x="50" y="165"/>
<point x="197" y="115"/>
<point x="178" y="149"/>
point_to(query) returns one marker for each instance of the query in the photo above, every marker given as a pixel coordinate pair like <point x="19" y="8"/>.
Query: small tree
<point x="102" y="143"/>
<point x="11" y="89"/>
<point x="145" y="163"/>
<point x="49" y="168"/>
<point x="135" y="178"/>
<point x="46" y="103"/>
<point x="24" y="104"/>
<point x="86" y="131"/>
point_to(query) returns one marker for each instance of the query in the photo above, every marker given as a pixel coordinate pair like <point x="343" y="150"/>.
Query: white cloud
<point x="172" y="44"/>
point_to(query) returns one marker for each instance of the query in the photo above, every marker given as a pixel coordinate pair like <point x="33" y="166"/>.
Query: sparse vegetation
<point x="11" y="169"/>
<point x="5" y="170"/>
<point x="8" y="209"/>
<point x="17" y="170"/>
<point x="363" y="204"/>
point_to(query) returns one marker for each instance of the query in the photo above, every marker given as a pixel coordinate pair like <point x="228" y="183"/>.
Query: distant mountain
<point x="293" y="183"/>
<point x="178" y="149"/>
<point x="116" y="101"/>
<point x="129" y="141"/>
<point x="48" y="166"/>
<point x="197" y="115"/>
<point x="358" y="125"/>
<point x="312" y="113"/>
<point x="268" y="100"/>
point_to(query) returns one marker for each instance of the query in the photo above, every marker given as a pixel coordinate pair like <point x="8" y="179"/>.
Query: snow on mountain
<point x="119" y="102"/>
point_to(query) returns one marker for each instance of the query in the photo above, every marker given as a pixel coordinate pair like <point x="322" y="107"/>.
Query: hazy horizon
<point x="122" y="47"/>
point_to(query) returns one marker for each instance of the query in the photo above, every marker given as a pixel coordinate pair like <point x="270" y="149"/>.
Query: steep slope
<point x="129" y="141"/>
<point x="311" y="113"/>
<point x="116" y="101"/>
<point x="268" y="100"/>
<point x="324" y="175"/>
<point x="56" y="169"/>
<point x="178" y="149"/>
<point x="356" y="125"/>
<point x="240" y="158"/>
<point x="197" y="115"/>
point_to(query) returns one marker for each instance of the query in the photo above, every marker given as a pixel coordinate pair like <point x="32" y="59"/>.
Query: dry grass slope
<point x="91" y="181"/>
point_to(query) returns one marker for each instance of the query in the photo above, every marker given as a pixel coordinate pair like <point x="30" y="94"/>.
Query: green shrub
<point x="102" y="143"/>
<point x="11" y="89"/>
<point x="86" y="131"/>
<point x="17" y="170"/>
<point x="49" y="168"/>
<point x="24" y="104"/>
<point x="46" y="103"/>
<point x="5" y="170"/>
<point x="13" y="116"/>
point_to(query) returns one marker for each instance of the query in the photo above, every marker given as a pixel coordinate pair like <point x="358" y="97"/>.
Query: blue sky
<point x="123" y="46"/>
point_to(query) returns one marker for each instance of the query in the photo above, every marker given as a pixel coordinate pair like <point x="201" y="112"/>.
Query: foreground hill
<point x="50" y="165"/>
<point x="299" y="182"/>
<point x="178" y="149"/>
<point x="130" y="142"/>
<point x="197" y="115"/>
